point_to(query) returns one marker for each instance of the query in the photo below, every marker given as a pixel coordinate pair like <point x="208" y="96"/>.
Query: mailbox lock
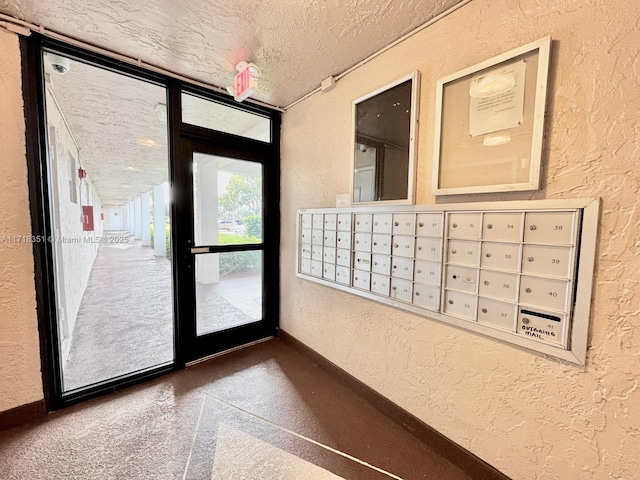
<point x="395" y="266"/>
<point x="525" y="320"/>
<point x="376" y="223"/>
<point x="484" y="310"/>
<point x="454" y="252"/>
<point x="417" y="294"/>
<point x="397" y="224"/>
<point x="359" y="259"/>
<point x="528" y="290"/>
<point x="529" y="259"/>
<point x="419" y="271"/>
<point x="375" y="243"/>
<point x="395" y="245"/>
<point x="419" y="248"/>
<point x="455" y="225"/>
<point x="488" y="255"/>
<point x="421" y="224"/>
<point x="489" y="226"/>
<point x="375" y="263"/>
<point x="357" y="241"/>
<point x="486" y="282"/>
<point x="532" y="227"/>
<point x="394" y="288"/>
<point x="450" y="302"/>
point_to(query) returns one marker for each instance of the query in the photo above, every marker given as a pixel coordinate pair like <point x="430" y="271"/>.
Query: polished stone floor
<point x="263" y="412"/>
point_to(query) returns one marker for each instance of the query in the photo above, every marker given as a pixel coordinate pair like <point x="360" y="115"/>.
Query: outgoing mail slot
<point x="361" y="279"/>
<point x="382" y="222"/>
<point x="329" y="272"/>
<point x="306" y="220"/>
<point x="505" y="227"/>
<point x="363" y="222"/>
<point x="427" y="272"/>
<point x="544" y="292"/>
<point x="343" y="257"/>
<point x="330" y="220"/>
<point x="343" y="275"/>
<point x="549" y="227"/>
<point x="380" y="284"/>
<point x="305" y="251"/>
<point x="429" y="225"/>
<point x="318" y="221"/>
<point x="316" y="237"/>
<point x="343" y="240"/>
<point x="501" y="256"/>
<point x="401" y="290"/>
<point x="464" y="225"/>
<point x="541" y="325"/>
<point x="402" y="267"/>
<point x="461" y="278"/>
<point x="404" y="224"/>
<point x="329" y="255"/>
<point x="546" y="260"/>
<point x="497" y="314"/>
<point x="381" y="264"/>
<point x="362" y="261"/>
<point x="316" y="252"/>
<point x="305" y="236"/>
<point x="403" y="246"/>
<point x="460" y="304"/>
<point x="426" y="296"/>
<point x="362" y="242"/>
<point x="344" y="221"/>
<point x="329" y="238"/>
<point x="305" y="266"/>
<point x="316" y="268"/>
<point x="381" y="243"/>
<point x="463" y="252"/>
<point x="498" y="285"/>
<point x="429" y="249"/>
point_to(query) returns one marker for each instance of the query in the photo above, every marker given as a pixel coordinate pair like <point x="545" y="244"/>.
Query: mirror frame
<point x="410" y="199"/>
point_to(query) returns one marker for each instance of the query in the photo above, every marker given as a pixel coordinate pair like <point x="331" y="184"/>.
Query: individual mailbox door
<point x="497" y="314"/>
<point x="549" y="227"/>
<point x="501" y="256"/>
<point x="401" y="290"/>
<point x="402" y="267"/>
<point x="461" y="278"/>
<point x="544" y="292"/>
<point x="361" y="279"/>
<point x="426" y="296"/>
<point x="343" y="257"/>
<point x="329" y="238"/>
<point x="464" y="225"/>
<point x="429" y="249"/>
<point x="381" y="264"/>
<point x="541" y="325"/>
<point x="382" y="222"/>
<point x="305" y="236"/>
<point x="504" y="227"/>
<point x="380" y="284"/>
<point x="317" y="237"/>
<point x="381" y="243"/>
<point x="305" y="266"/>
<point x="329" y="255"/>
<point x="317" y="252"/>
<point x="318" y="221"/>
<point x="362" y="261"/>
<point x="498" y="285"/>
<point x="316" y="268"/>
<point x="343" y="275"/>
<point x="329" y="272"/>
<point x="306" y="221"/>
<point x="427" y="272"/>
<point x="362" y="242"/>
<point x="429" y="225"/>
<point x="363" y="222"/>
<point x="460" y="304"/>
<point x="305" y="251"/>
<point x="547" y="260"/>
<point x="404" y="224"/>
<point x="330" y="221"/>
<point x="403" y="246"/>
<point x="463" y="252"/>
<point x="343" y="240"/>
<point x="344" y="221"/>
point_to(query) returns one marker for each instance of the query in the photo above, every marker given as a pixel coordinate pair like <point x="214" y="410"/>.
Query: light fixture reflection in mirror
<point x="383" y="153"/>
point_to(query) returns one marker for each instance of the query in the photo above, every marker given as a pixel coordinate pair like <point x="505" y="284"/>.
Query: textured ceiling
<point x="296" y="44"/>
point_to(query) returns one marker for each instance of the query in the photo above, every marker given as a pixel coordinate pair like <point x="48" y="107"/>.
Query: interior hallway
<point x="249" y="414"/>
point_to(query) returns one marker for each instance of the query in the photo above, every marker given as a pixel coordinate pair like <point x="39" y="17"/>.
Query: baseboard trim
<point x="18" y="416"/>
<point x="465" y="460"/>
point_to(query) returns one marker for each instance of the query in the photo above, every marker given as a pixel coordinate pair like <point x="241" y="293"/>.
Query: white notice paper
<point x="497" y="99"/>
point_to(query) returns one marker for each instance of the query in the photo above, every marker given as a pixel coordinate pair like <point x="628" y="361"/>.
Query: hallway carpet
<point x="263" y="412"/>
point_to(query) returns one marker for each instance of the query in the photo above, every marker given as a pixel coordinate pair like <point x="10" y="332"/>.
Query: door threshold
<point x="224" y="352"/>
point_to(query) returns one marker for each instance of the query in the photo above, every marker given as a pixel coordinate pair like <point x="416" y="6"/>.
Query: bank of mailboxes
<point x="507" y="271"/>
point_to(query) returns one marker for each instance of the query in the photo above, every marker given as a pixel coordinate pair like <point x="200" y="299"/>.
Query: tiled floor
<point x="263" y="412"/>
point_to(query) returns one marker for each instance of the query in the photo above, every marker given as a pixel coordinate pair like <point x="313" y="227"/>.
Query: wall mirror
<point x="384" y="143"/>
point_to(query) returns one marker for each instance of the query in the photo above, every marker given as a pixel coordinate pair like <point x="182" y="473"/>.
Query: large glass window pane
<point x="227" y="200"/>
<point x="109" y="203"/>
<point x="228" y="290"/>
<point x="216" y="116"/>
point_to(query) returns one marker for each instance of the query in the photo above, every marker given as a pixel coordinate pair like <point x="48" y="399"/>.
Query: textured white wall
<point x="20" y="380"/>
<point x="529" y="416"/>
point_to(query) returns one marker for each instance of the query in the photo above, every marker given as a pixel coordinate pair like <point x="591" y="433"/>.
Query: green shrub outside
<point x="238" y="261"/>
<point x="254" y="225"/>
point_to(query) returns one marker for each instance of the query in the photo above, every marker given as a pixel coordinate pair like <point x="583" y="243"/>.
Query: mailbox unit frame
<point x="573" y="346"/>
